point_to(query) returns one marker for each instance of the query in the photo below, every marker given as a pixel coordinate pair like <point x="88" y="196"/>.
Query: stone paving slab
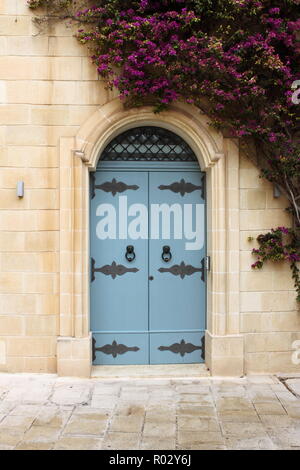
<point x="294" y="385"/>
<point x="44" y="412"/>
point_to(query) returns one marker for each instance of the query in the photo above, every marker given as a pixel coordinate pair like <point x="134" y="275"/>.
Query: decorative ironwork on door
<point x="113" y="349"/>
<point x="183" y="270"/>
<point x="112" y="269"/>
<point x="184" y="187"/>
<point x="114" y="187"/>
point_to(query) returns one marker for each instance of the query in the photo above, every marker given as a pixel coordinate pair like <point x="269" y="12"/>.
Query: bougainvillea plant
<point x="236" y="60"/>
<point x="278" y="245"/>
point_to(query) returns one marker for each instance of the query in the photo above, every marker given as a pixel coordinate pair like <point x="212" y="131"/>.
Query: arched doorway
<point x="148" y="248"/>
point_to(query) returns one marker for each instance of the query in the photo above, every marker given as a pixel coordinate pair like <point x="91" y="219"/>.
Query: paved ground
<point x="46" y="412"/>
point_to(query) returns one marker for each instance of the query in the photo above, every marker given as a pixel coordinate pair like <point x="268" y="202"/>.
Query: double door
<point x="148" y="278"/>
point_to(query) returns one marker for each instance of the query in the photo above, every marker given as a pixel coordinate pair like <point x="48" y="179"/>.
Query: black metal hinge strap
<point x="183" y="270"/>
<point x="182" y="187"/>
<point x="113" y="349"/>
<point x="112" y="270"/>
<point x="112" y="187"/>
<point x="184" y="348"/>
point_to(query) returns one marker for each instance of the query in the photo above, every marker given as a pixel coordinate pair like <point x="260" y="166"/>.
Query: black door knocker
<point x="130" y="254"/>
<point x="166" y="254"/>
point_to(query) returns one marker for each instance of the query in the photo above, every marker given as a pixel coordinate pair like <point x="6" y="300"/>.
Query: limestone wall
<point x="269" y="314"/>
<point x="48" y="89"/>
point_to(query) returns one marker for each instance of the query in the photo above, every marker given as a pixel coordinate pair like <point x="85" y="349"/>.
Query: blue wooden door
<point x="147" y="266"/>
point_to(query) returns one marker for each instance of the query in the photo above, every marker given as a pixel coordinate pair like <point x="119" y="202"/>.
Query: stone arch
<point x="112" y="119"/>
<point x="217" y="156"/>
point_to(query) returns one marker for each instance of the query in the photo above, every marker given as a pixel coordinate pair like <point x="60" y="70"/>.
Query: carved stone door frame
<point x="219" y="158"/>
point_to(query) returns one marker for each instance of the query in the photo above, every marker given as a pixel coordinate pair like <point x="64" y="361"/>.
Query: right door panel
<point x="177" y="291"/>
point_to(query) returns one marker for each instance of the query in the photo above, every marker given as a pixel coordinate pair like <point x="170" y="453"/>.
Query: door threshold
<point x="160" y="371"/>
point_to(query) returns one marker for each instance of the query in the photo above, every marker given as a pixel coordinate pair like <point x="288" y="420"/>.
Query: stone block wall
<point x="48" y="90"/>
<point x="269" y="313"/>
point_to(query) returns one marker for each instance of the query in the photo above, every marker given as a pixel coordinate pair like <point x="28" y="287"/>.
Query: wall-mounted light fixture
<point x="276" y="191"/>
<point x="20" y="189"/>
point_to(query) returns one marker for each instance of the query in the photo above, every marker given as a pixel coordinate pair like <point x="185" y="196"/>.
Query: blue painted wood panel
<point x="177" y="293"/>
<point x="121" y="348"/>
<point x="176" y="348"/>
<point x="119" y="302"/>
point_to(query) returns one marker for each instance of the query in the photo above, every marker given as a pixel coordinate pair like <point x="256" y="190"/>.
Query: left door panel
<point x="119" y="287"/>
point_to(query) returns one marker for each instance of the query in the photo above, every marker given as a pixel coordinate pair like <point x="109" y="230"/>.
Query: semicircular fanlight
<point x="150" y="144"/>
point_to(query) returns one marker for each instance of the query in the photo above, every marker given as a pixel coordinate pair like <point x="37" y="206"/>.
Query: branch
<point x="296" y="207"/>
